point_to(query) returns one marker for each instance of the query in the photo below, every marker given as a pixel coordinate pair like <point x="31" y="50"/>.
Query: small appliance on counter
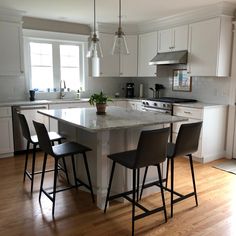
<point x="32" y="95"/>
<point x="129" y="90"/>
<point x="156" y="91"/>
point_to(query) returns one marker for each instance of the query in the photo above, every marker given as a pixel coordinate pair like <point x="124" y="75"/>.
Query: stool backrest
<point x="188" y="138"/>
<point x="152" y="147"/>
<point x="24" y="127"/>
<point x="44" y="140"/>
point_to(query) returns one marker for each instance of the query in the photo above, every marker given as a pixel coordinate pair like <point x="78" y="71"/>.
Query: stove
<point x="164" y="104"/>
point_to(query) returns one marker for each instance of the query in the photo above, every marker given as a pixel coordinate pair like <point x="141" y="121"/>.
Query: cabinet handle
<point x="187" y="112"/>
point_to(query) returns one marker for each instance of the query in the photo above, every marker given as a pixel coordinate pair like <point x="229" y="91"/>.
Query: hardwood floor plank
<point x="21" y="214"/>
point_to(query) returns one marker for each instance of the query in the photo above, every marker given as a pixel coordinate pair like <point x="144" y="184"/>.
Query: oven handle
<point x="156" y="110"/>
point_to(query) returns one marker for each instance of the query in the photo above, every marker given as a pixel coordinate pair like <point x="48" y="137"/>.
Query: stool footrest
<point x="148" y="213"/>
<point x="183" y="197"/>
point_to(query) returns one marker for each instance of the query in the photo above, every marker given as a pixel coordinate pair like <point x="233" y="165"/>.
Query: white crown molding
<point x="11" y="15"/>
<point x="219" y="9"/>
<point x="204" y="13"/>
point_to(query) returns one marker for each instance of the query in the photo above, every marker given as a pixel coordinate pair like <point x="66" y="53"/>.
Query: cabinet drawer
<point x="188" y="112"/>
<point x="5" y="111"/>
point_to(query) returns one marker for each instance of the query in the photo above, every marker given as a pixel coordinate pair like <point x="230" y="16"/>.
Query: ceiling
<point x="81" y="11"/>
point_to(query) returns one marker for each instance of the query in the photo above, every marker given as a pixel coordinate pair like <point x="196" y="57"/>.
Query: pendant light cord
<point x="119" y="13"/>
<point x="94" y="17"/>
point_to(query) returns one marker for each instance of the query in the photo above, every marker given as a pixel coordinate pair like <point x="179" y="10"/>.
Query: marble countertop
<point x="115" y="118"/>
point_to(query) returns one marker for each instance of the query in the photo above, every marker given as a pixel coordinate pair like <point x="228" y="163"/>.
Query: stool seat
<point x="126" y="159"/>
<point x="64" y="150"/>
<point x="53" y="136"/>
<point x="69" y="148"/>
<point x="33" y="139"/>
<point x="151" y="150"/>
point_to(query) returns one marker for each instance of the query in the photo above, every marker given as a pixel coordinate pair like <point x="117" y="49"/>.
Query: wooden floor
<point x="75" y="214"/>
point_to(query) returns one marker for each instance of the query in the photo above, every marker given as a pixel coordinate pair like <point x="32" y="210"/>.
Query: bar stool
<point x="60" y="151"/>
<point x="151" y="150"/>
<point x="53" y="136"/>
<point x="186" y="143"/>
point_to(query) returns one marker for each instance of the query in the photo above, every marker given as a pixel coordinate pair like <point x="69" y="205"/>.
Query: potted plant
<point x="101" y="102"/>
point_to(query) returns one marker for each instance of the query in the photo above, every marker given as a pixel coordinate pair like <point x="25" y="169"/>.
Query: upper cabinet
<point x="11" y="60"/>
<point x="118" y="65"/>
<point x="210" y="47"/>
<point x="146" y="51"/>
<point x="129" y="63"/>
<point x="109" y="64"/>
<point x="174" y="39"/>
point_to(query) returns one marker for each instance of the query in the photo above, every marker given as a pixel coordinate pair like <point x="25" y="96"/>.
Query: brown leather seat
<point x="64" y="150"/>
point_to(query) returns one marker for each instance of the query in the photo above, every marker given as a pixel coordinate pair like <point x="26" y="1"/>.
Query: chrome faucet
<point x="62" y="89"/>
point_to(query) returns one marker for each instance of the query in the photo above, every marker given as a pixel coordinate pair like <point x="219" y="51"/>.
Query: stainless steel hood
<point x="169" y="58"/>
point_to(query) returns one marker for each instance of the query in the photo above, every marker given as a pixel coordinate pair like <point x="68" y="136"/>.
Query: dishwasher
<point x="31" y="114"/>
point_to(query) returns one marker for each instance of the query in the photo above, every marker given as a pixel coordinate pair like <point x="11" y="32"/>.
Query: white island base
<point x="103" y="143"/>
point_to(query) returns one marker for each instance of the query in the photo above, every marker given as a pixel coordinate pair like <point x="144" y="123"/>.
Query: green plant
<point x="100" y="98"/>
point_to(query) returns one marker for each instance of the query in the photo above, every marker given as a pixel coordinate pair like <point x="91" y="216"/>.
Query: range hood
<point x="170" y="58"/>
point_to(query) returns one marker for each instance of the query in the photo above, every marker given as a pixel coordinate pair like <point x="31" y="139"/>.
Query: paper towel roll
<point x="141" y="90"/>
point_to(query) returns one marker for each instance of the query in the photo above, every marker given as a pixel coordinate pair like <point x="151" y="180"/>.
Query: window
<point x="50" y="61"/>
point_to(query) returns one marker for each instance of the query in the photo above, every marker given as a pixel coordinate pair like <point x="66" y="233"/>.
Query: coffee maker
<point x="129" y="90"/>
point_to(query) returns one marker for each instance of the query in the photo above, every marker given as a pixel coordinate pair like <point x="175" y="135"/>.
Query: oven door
<point x="159" y="110"/>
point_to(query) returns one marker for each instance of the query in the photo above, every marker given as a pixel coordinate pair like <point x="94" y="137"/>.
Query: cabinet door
<point x="109" y="64"/>
<point x="129" y="63"/>
<point x="180" y="38"/>
<point x="147" y="50"/>
<point x="6" y="139"/>
<point x="10" y="49"/>
<point x="203" y="47"/>
<point x="165" y="43"/>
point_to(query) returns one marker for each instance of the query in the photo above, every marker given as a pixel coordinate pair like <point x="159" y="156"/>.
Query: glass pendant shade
<point x="95" y="49"/>
<point x="120" y="44"/>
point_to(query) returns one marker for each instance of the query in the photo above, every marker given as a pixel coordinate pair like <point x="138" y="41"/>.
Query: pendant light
<point x="95" y="49"/>
<point x="120" y="45"/>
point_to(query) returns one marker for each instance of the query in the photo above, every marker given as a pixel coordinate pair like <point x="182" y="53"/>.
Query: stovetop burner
<point x="172" y="100"/>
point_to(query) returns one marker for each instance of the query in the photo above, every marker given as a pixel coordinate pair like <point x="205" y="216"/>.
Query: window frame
<point x="56" y="39"/>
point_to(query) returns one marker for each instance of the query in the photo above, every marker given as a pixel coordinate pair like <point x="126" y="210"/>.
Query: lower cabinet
<point x="134" y="105"/>
<point x="6" y="137"/>
<point x="212" y="138"/>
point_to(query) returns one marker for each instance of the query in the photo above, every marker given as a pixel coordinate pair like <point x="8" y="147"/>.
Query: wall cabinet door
<point x="146" y="51"/>
<point x="210" y="47"/>
<point x="174" y="39"/>
<point x="6" y="139"/>
<point x="109" y="64"/>
<point x="11" y="63"/>
<point x="129" y="63"/>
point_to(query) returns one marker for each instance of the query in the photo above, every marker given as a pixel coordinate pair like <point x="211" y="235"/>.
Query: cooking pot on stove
<point x="156" y="91"/>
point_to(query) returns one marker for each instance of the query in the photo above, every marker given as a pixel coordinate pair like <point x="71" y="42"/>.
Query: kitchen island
<point x="116" y="131"/>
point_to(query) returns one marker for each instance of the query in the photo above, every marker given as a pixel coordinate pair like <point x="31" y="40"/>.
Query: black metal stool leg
<point x="133" y="200"/>
<point x="167" y="171"/>
<point x="26" y="159"/>
<point x="33" y="167"/>
<point x="162" y="191"/>
<point x="193" y="177"/>
<point x="144" y="179"/>
<point x="109" y="185"/>
<point x="65" y="169"/>
<point x="138" y="177"/>
<point x="54" y="186"/>
<point x="43" y="173"/>
<point x="172" y="186"/>
<point x="88" y="175"/>
<point x="74" y="170"/>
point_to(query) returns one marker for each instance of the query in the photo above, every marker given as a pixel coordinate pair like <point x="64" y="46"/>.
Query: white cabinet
<point x="53" y="124"/>
<point x="146" y="51"/>
<point x="109" y="64"/>
<point x="118" y="65"/>
<point x="11" y="60"/>
<point x="174" y="39"/>
<point x="210" y="47"/>
<point x="212" y="137"/>
<point x="134" y="105"/>
<point x="6" y="137"/>
<point x="129" y="63"/>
